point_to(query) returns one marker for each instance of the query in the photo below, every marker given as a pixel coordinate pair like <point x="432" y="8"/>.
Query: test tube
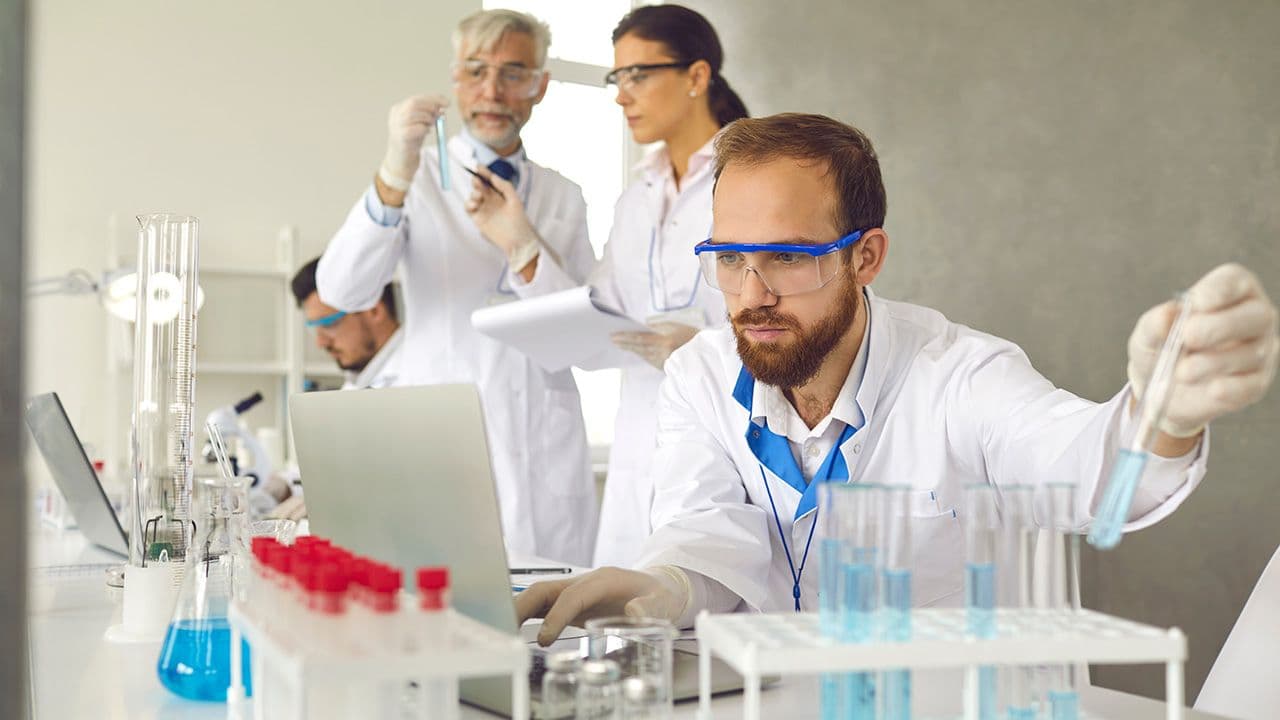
<point x="895" y="604"/>
<point x="981" y="543"/>
<point x="1064" y="554"/>
<point x="850" y="575"/>
<point x="442" y="148"/>
<point x="1017" y="551"/>
<point x="860" y="599"/>
<point x="830" y="545"/>
<point x="829" y="558"/>
<point x="833" y="508"/>
<point x="1126" y="470"/>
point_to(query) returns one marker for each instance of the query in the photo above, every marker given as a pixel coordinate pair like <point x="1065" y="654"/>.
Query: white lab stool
<point x="1242" y="682"/>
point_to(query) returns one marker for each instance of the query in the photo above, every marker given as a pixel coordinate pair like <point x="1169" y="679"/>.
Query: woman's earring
<point x="693" y="93"/>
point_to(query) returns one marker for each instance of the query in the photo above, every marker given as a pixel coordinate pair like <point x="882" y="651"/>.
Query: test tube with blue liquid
<point x="847" y="592"/>
<point x="860" y="594"/>
<point x="442" y="148"/>
<point x="1129" y="463"/>
<point x="981" y="542"/>
<point x="1064" y="556"/>
<point x="895" y="593"/>
<point x="829" y="545"/>
<point x="1018" y="531"/>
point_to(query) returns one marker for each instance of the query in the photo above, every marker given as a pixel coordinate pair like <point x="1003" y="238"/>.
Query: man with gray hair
<point x="461" y="245"/>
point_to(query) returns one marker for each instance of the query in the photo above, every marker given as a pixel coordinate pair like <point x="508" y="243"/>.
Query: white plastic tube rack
<point x="476" y="650"/>
<point x="792" y="644"/>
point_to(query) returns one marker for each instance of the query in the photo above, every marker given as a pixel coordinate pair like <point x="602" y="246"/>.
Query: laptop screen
<point x="74" y="474"/>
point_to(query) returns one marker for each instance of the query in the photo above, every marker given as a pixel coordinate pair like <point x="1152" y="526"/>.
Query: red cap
<point x="330" y="578"/>
<point x="259" y="547"/>
<point x="359" y="571"/>
<point x="99" y="465"/>
<point x="385" y="579"/>
<point x="304" y="571"/>
<point x="433" y="578"/>
<point x="278" y="558"/>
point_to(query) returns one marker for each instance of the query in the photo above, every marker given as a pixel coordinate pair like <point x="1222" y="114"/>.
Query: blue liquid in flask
<point x="195" y="662"/>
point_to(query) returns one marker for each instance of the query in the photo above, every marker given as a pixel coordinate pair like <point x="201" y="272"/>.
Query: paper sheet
<point x="560" y="330"/>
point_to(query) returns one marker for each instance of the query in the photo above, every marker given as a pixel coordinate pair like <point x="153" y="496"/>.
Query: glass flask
<point x="195" y="661"/>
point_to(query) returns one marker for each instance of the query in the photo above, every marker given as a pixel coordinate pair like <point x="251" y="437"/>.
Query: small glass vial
<point x="560" y="684"/>
<point x="644" y="698"/>
<point x="598" y="690"/>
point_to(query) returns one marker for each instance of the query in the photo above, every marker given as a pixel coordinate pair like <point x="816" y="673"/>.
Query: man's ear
<point x="869" y="254"/>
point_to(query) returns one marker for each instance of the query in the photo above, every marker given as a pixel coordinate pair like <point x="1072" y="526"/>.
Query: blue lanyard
<point x="824" y="473"/>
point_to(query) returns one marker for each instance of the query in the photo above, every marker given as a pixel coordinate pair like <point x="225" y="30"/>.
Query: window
<point x="578" y="131"/>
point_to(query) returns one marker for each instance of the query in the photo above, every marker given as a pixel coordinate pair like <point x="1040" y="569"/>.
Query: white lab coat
<point x="648" y="271"/>
<point x="534" y="418"/>
<point x="944" y="406"/>
<point x="383" y="369"/>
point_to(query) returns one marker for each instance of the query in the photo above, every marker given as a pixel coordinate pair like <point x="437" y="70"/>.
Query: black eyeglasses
<point x="628" y="77"/>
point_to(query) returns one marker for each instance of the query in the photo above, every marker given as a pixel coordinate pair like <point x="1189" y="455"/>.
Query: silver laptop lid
<point x="403" y="475"/>
<point x="74" y="474"/>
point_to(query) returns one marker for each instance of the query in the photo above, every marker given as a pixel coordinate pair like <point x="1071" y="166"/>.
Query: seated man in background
<point x="817" y="378"/>
<point x="364" y="343"/>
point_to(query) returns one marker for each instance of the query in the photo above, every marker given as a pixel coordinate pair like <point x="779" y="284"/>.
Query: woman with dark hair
<point x="667" y="62"/>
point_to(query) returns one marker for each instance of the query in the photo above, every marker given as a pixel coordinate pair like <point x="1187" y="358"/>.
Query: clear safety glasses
<point x="627" y="79"/>
<point x="784" y="268"/>
<point x="513" y="80"/>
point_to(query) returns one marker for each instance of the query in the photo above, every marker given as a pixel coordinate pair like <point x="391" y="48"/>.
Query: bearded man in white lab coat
<point x="459" y="252"/>
<point x="818" y="378"/>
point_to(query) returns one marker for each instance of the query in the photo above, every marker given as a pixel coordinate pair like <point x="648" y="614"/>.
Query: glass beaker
<point x="642" y="649"/>
<point x="195" y="661"/>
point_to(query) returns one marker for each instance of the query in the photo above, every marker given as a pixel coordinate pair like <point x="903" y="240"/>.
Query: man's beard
<point x="359" y="364"/>
<point x="795" y="363"/>
<point x="499" y="139"/>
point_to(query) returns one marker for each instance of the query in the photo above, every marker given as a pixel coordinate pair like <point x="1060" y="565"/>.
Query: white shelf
<point x="242" y="368"/>
<point x="792" y="643"/>
<point x="275" y="273"/>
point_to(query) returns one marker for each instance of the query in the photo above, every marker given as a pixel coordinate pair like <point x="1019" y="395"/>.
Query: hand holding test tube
<point x="408" y="124"/>
<point x="1225" y="330"/>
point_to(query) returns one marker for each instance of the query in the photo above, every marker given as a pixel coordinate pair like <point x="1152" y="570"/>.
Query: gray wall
<point x="1053" y="169"/>
<point x="13" y="491"/>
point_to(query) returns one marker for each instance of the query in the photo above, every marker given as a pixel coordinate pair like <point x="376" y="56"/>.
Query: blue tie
<point x="504" y="170"/>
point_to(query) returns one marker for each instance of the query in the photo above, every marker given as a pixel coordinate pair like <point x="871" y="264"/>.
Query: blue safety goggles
<point x="784" y="268"/>
<point x="327" y="321"/>
<point x="813" y="250"/>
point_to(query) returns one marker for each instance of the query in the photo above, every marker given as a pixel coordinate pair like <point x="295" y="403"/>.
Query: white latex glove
<point x="655" y="347"/>
<point x="656" y="593"/>
<point x="1230" y="348"/>
<point x="408" y="124"/>
<point x="499" y="214"/>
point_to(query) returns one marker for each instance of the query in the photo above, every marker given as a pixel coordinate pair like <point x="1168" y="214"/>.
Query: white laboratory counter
<point x="75" y="673"/>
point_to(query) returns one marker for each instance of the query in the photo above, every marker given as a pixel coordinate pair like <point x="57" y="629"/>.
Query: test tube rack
<point x="792" y="644"/>
<point x="475" y="650"/>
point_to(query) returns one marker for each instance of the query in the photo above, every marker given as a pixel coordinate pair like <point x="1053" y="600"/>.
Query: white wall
<point x="247" y="115"/>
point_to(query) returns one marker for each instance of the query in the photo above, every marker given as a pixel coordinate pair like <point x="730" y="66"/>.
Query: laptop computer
<point x="74" y="474"/>
<point x="403" y="475"/>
